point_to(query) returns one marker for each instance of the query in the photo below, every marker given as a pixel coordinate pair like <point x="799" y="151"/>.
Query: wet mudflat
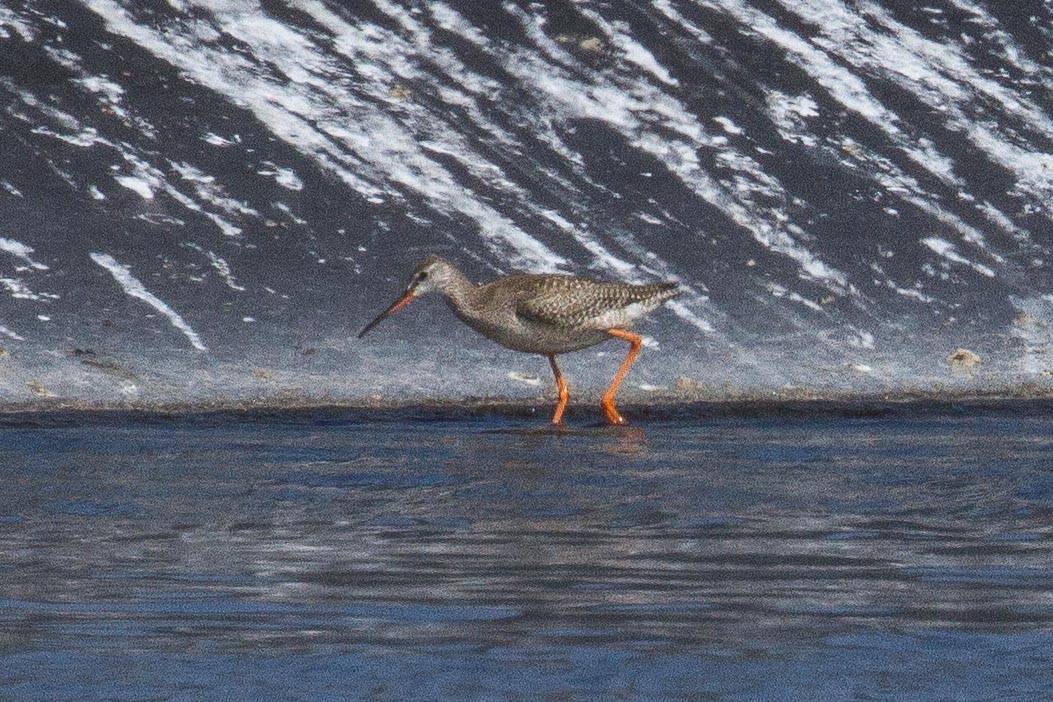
<point x="834" y="555"/>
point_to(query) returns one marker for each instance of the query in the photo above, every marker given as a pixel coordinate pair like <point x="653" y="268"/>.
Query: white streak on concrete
<point x="17" y="248"/>
<point x="85" y="138"/>
<point x="285" y="177"/>
<point x="8" y="18"/>
<point x="948" y="251"/>
<point x="134" y="288"/>
<point x="728" y="125"/>
<point x="137" y="185"/>
<point x="620" y="35"/>
<point x="224" y="271"/>
<point x="20" y="291"/>
<point x="217" y="140"/>
<point x="685" y="313"/>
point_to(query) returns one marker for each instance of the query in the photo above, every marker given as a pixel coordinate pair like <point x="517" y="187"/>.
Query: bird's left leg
<point x="564" y="393"/>
<point x="608" y="398"/>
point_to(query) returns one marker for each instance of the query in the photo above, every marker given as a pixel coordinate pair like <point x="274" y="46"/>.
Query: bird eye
<point x="422" y="275"/>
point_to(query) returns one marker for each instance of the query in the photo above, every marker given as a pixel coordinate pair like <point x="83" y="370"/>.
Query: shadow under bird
<point x="547" y="314"/>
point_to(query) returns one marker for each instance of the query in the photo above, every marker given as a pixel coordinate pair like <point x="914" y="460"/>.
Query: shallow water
<point x="892" y="554"/>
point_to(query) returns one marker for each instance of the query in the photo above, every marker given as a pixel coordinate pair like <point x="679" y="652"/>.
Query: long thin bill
<point x="399" y="304"/>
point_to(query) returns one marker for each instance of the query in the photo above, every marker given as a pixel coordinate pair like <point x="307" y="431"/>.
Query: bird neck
<point x="459" y="292"/>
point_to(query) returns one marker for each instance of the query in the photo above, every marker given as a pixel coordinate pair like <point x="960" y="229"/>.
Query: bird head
<point x="432" y="274"/>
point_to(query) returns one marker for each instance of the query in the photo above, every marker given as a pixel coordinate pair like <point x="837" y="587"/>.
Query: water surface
<point x="889" y="554"/>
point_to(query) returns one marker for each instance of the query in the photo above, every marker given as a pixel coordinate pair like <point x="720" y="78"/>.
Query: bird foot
<point x="614" y="418"/>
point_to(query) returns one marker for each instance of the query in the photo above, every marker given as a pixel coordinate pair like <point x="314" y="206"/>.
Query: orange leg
<point x="564" y="393"/>
<point x="608" y="399"/>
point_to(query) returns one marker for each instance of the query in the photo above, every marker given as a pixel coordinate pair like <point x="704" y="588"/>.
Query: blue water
<point x="820" y="553"/>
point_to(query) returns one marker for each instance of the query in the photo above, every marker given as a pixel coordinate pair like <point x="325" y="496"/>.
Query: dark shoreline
<point x="585" y="413"/>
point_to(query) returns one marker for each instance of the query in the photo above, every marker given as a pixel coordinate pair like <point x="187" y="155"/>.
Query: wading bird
<point x="547" y="314"/>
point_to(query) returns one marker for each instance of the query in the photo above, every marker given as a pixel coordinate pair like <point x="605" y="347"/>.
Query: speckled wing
<point x="563" y="301"/>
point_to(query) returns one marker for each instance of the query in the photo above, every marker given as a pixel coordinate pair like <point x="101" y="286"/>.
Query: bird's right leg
<point x="635" y="341"/>
<point x="564" y="394"/>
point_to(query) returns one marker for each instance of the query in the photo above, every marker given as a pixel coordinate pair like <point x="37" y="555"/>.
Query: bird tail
<point x="666" y="291"/>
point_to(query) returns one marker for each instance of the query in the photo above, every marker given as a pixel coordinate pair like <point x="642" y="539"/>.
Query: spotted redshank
<point x="542" y="313"/>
